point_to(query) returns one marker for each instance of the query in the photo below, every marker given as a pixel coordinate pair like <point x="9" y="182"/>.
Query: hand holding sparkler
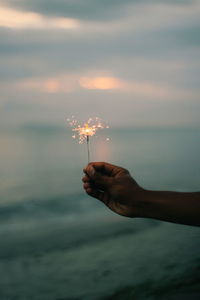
<point x="115" y="187"/>
<point x="112" y="185"/>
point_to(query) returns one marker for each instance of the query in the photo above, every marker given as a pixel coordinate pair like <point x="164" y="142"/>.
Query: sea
<point x="51" y="232"/>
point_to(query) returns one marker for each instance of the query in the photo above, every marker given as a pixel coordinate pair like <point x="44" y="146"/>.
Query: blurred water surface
<point x="38" y="162"/>
<point x="44" y="211"/>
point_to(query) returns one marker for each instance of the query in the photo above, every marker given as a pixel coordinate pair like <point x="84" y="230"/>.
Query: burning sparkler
<point x="85" y="131"/>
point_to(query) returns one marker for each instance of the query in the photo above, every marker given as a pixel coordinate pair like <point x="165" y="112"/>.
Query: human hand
<point x="114" y="186"/>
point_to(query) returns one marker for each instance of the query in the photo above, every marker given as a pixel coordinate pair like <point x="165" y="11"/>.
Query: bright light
<point x="100" y="83"/>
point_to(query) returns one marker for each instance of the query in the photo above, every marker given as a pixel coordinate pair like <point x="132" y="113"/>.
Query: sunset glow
<point x="52" y="85"/>
<point x="100" y="83"/>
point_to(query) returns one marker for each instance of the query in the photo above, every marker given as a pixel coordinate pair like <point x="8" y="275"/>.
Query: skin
<point x="116" y="188"/>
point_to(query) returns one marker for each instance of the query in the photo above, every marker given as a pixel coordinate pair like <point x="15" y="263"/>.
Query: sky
<point x="131" y="63"/>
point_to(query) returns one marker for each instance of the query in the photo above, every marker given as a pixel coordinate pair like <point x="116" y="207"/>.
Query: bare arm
<point x="115" y="187"/>
<point x="174" y="207"/>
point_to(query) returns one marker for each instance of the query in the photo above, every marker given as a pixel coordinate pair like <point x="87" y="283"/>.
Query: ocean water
<point x="48" y="226"/>
<point x="42" y="162"/>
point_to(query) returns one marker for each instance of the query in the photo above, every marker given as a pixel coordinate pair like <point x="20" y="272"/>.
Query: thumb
<point x="101" y="181"/>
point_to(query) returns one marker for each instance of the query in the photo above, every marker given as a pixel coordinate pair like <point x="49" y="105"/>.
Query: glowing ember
<point x="83" y="132"/>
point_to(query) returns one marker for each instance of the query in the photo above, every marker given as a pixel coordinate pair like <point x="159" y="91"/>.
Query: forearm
<point x="174" y="207"/>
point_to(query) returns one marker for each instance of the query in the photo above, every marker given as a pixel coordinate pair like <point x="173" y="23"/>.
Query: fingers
<point x="85" y="179"/>
<point x="103" y="168"/>
<point x="86" y="185"/>
<point x="91" y="190"/>
<point x="97" y="179"/>
<point x="95" y="194"/>
<point x="86" y="182"/>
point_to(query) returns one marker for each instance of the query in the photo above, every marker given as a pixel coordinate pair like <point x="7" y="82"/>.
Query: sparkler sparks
<point x="88" y="129"/>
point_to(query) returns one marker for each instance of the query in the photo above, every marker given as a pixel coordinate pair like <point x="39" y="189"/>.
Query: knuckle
<point x="90" y="164"/>
<point x="125" y="170"/>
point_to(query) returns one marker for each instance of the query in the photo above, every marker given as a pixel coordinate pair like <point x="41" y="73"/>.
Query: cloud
<point x="67" y="83"/>
<point x="142" y="89"/>
<point x="85" y="10"/>
<point x="102" y="81"/>
<point x="17" y="19"/>
<point x="149" y="17"/>
<point x="111" y="16"/>
<point x="149" y="51"/>
<point x="63" y="83"/>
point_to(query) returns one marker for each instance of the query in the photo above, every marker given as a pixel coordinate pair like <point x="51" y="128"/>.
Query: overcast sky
<point x="132" y="63"/>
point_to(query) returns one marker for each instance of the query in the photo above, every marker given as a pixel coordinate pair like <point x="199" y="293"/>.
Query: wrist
<point x="142" y="203"/>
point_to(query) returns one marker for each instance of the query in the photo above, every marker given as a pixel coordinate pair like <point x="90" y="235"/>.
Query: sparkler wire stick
<point x="88" y="149"/>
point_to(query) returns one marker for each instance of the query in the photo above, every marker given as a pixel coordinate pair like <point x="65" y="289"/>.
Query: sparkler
<point x="85" y="131"/>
